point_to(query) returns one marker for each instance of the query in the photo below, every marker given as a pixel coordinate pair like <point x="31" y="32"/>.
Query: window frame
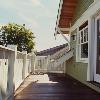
<point x="78" y="45"/>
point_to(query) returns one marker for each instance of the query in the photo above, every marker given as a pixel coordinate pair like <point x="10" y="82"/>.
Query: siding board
<point x="82" y="6"/>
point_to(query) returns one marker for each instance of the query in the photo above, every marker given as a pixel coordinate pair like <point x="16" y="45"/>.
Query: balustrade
<point x="15" y="66"/>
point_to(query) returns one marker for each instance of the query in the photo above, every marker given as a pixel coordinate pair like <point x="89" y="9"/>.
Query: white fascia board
<point x="59" y="13"/>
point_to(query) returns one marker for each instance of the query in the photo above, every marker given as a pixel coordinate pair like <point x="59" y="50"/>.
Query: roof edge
<point x="58" y="16"/>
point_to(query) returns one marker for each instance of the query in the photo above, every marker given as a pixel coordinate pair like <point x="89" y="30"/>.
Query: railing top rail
<point x="60" y="51"/>
<point x="41" y="56"/>
<point x="6" y="48"/>
<point x="21" y="52"/>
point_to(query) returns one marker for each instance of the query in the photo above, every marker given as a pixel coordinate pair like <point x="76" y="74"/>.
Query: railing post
<point x="48" y="63"/>
<point x="24" y="64"/>
<point x="33" y="58"/>
<point x="11" y="65"/>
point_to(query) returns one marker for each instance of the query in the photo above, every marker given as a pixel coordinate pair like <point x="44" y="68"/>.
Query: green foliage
<point x="17" y="35"/>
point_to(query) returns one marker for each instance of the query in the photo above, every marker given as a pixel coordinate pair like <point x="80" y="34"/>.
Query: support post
<point x="11" y="65"/>
<point x="33" y="57"/>
<point x="24" y="64"/>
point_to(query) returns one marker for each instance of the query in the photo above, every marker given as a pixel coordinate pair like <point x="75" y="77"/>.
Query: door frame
<point x="96" y="76"/>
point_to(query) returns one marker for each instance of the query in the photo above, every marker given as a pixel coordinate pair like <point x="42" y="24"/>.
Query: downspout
<point x="59" y="31"/>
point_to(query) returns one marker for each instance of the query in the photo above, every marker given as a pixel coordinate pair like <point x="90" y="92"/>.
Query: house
<point x="52" y="60"/>
<point x="81" y="20"/>
<point x="51" y="51"/>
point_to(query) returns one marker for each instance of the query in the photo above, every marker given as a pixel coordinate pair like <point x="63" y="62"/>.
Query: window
<point x="82" y="41"/>
<point x="73" y="37"/>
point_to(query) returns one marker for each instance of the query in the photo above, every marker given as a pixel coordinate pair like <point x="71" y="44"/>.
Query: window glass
<point x="81" y="36"/>
<point x="86" y="32"/>
<point x="85" y="35"/>
<point x="84" y="50"/>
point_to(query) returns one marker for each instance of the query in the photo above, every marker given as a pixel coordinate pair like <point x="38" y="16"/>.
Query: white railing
<point x="60" y="53"/>
<point x="3" y="73"/>
<point x="57" y="61"/>
<point x="53" y="68"/>
<point x="15" y="66"/>
<point x="41" y="64"/>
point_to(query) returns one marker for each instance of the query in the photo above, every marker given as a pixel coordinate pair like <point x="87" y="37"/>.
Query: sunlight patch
<point x="44" y="79"/>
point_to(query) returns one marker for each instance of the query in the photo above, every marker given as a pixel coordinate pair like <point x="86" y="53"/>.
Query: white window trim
<point x="82" y="43"/>
<point x="78" y="48"/>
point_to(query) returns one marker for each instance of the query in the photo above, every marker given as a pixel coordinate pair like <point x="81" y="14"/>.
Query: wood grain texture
<point x="54" y="87"/>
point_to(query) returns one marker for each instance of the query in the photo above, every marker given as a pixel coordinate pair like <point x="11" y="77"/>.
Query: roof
<point x="51" y="50"/>
<point x="65" y="14"/>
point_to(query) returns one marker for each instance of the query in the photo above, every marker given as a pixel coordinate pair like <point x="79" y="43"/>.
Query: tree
<point x="14" y="34"/>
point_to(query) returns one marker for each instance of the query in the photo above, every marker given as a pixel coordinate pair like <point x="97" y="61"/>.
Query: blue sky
<point x="38" y="15"/>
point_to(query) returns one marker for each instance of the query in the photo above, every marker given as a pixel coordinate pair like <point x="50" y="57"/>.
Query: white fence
<point x="47" y="65"/>
<point x="57" y="61"/>
<point x="41" y="64"/>
<point x="14" y="68"/>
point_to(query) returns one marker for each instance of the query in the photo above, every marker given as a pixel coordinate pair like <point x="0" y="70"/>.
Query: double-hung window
<point x="83" y="41"/>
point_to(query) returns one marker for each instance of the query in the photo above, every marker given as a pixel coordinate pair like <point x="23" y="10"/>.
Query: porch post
<point x="11" y="65"/>
<point x="33" y="57"/>
<point x="48" y="63"/>
<point x="24" y="64"/>
<point x="90" y="69"/>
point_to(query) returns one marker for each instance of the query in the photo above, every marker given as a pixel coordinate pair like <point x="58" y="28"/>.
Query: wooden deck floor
<point x="54" y="87"/>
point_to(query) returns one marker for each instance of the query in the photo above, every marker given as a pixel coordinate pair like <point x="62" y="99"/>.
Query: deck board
<point x="54" y="87"/>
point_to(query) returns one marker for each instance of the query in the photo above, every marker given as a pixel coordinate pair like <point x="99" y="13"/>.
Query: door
<point x="97" y="32"/>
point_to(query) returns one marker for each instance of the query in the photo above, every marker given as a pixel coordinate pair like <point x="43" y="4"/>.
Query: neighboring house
<point x="81" y="19"/>
<point x="51" y="51"/>
<point x="53" y="59"/>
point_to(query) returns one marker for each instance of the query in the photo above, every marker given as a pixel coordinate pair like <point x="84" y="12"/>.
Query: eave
<point x="65" y="15"/>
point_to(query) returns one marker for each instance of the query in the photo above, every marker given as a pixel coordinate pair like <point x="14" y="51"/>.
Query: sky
<point x="38" y="15"/>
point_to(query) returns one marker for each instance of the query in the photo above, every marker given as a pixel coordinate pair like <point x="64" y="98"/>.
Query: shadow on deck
<point x="54" y="87"/>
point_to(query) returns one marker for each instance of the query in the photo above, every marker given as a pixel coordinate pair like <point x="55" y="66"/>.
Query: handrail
<point x="15" y="66"/>
<point x="58" y="65"/>
<point x="59" y="52"/>
<point x="6" y="48"/>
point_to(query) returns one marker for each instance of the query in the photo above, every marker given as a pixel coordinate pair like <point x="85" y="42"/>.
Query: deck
<point x="54" y="87"/>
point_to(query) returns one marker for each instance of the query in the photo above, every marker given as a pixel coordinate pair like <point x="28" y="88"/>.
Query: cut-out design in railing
<point x="60" y="53"/>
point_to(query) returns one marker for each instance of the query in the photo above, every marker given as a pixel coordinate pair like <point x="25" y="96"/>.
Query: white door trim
<point x="96" y="76"/>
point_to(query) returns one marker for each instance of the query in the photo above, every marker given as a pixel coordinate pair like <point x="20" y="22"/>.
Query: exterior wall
<point x="81" y="8"/>
<point x="77" y="70"/>
<point x="82" y="70"/>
